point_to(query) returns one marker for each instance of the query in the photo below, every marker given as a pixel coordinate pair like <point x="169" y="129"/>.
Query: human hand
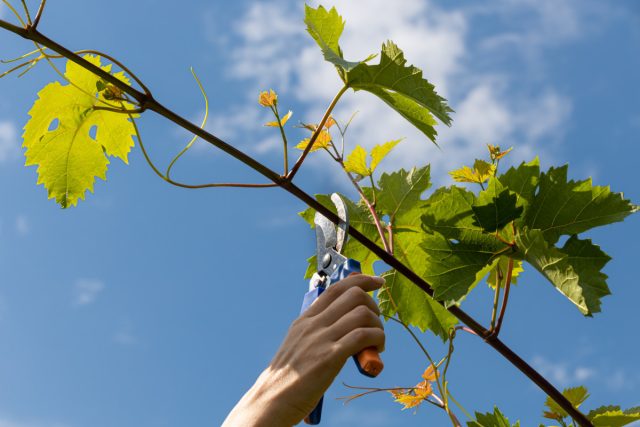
<point x="340" y="323"/>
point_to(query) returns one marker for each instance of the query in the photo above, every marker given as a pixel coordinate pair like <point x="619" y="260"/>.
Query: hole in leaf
<point x="54" y="125"/>
<point x="454" y="241"/>
<point x="93" y="131"/>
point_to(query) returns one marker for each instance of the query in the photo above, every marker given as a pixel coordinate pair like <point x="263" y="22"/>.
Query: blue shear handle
<point x="350" y="266"/>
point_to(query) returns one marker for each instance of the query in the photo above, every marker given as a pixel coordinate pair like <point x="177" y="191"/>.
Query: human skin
<point x="343" y="321"/>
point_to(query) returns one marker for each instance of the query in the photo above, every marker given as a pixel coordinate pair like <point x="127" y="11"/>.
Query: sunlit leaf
<point x="480" y="173"/>
<point x="68" y="157"/>
<point x="380" y="151"/>
<point x="495" y="419"/>
<point x="322" y="141"/>
<point x="575" y="395"/>
<point x="565" y="207"/>
<point x="283" y="120"/>
<point x="356" y="162"/>
<point x="399" y="85"/>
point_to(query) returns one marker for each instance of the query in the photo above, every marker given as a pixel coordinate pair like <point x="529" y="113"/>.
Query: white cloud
<point x="22" y="225"/>
<point x="492" y="105"/>
<point x="9" y="146"/>
<point x="85" y="291"/>
<point x="561" y="373"/>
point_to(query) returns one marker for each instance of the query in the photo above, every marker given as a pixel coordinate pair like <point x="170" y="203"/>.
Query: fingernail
<point x="379" y="280"/>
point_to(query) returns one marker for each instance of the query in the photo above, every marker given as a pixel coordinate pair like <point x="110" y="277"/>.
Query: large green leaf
<point x="572" y="207"/>
<point x="496" y="207"/>
<point x="523" y="181"/>
<point x="393" y="75"/>
<point x="399" y="192"/>
<point x="587" y="260"/>
<point x="58" y="137"/>
<point x="574" y="270"/>
<point x="495" y="419"/>
<point x="453" y="269"/>
<point x="449" y="212"/>
<point x="399" y="295"/>
<point x="613" y="416"/>
<point x="399" y="85"/>
<point x="326" y="26"/>
<point x="398" y="198"/>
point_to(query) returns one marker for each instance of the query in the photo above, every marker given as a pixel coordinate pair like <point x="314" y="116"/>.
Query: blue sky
<point x="157" y="306"/>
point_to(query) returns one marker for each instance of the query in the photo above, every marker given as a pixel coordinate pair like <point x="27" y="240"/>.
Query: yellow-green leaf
<point x="283" y="120"/>
<point x="380" y="151"/>
<point x="356" y="162"/>
<point x="58" y="137"/>
<point x="480" y="173"/>
<point x="322" y="141"/>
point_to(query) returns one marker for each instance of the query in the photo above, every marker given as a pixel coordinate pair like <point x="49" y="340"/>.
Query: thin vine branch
<point x="144" y="100"/>
<point x="36" y="20"/>
<point x="505" y="298"/>
<point x="316" y="133"/>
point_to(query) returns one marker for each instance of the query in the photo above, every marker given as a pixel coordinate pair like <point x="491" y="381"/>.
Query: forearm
<point x="261" y="406"/>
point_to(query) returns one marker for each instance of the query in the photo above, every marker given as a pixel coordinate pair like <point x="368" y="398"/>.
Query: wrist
<point x="262" y="405"/>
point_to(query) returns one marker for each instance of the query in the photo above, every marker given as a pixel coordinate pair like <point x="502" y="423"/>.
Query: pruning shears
<point x="333" y="267"/>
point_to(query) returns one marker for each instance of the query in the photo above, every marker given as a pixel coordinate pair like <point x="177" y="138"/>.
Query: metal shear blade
<point x="330" y="239"/>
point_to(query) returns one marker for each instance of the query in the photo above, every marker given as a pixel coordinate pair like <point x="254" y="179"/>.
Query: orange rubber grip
<point x="369" y="358"/>
<point x="370" y="362"/>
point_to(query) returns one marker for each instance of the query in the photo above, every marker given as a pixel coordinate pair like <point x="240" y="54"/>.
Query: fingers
<point x="358" y="285"/>
<point x="360" y="317"/>
<point x="359" y="339"/>
<point x="349" y="300"/>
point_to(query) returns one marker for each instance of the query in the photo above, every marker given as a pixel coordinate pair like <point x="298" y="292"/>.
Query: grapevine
<point x="438" y="245"/>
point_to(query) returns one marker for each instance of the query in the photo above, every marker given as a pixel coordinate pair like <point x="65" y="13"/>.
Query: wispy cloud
<point x="570" y="373"/>
<point x="492" y="105"/>
<point x="85" y="291"/>
<point x="563" y="374"/>
<point x="22" y="225"/>
<point x="9" y="146"/>
<point x="124" y="334"/>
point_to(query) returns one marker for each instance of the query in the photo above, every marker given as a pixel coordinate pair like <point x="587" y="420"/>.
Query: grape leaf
<point x="480" y="173"/>
<point x="392" y="75"/>
<point x="356" y="162"/>
<point x="449" y="212"/>
<point x="572" y="207"/>
<point x="587" y="260"/>
<point x="495" y="419"/>
<point x="453" y="269"/>
<point x="380" y="151"/>
<point x="282" y="121"/>
<point x="415" y="306"/>
<point x="326" y="26"/>
<point x="398" y="197"/>
<point x="400" y="86"/>
<point x="523" y="181"/>
<point x="575" y="395"/>
<point x="602" y="409"/>
<point x="68" y="157"/>
<point x="399" y="192"/>
<point x="495" y="207"/>
<point x="574" y="269"/>
<point x="614" y="419"/>
<point x="322" y="141"/>
<point x="568" y="269"/>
